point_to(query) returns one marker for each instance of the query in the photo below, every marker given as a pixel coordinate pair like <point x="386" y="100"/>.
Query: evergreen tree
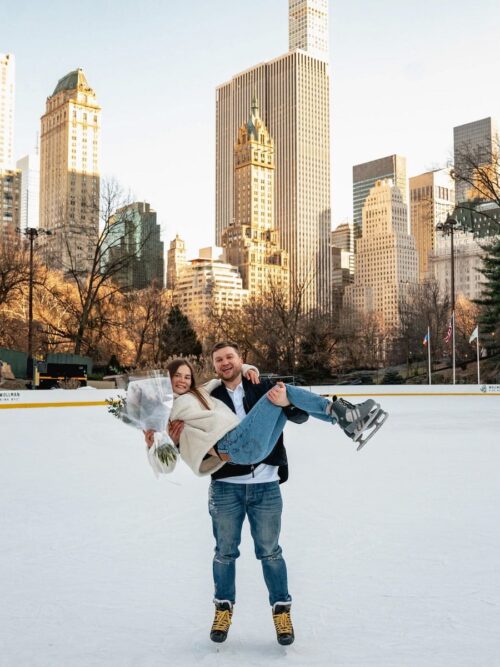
<point x="178" y="338"/>
<point x="489" y="320"/>
<point x="392" y="377"/>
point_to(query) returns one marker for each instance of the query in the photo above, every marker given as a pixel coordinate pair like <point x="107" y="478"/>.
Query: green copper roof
<point x="71" y="81"/>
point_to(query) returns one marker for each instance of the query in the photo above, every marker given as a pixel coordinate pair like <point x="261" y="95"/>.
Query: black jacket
<point x="278" y="456"/>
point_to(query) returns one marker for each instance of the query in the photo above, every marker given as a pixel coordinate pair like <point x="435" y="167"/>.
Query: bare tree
<point x="14" y="268"/>
<point x="119" y="242"/>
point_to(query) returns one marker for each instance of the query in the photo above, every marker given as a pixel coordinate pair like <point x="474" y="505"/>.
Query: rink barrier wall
<point x="86" y="397"/>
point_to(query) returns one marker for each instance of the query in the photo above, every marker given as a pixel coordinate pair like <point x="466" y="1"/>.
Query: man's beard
<point x="234" y="374"/>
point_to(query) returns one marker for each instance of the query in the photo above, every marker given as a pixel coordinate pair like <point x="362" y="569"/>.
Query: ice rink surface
<point x="393" y="552"/>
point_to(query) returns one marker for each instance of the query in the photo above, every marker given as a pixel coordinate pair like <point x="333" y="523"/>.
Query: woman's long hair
<point x="174" y="366"/>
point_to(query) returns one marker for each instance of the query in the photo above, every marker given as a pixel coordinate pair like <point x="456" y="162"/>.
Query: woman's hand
<point x="252" y="376"/>
<point x="277" y="395"/>
<point x="175" y="429"/>
<point x="149" y="436"/>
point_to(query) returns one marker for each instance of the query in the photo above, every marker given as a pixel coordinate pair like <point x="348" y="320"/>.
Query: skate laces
<point x="222" y="620"/>
<point x="283" y="622"/>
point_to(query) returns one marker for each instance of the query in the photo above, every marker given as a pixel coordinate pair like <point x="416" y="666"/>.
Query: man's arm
<point x="293" y="414"/>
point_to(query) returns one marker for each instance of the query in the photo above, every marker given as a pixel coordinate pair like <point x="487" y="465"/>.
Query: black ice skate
<point x="359" y="422"/>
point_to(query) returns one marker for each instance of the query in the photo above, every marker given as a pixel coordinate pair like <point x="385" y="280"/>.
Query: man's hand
<point x="175" y="429"/>
<point x="252" y="376"/>
<point x="277" y="395"/>
<point x="149" y="437"/>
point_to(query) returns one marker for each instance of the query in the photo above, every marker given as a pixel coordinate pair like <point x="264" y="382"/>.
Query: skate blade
<point x="378" y="423"/>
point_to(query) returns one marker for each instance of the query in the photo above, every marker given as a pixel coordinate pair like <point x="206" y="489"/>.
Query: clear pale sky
<point x="402" y="75"/>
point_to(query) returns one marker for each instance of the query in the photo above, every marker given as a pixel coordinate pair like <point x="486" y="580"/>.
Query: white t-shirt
<point x="262" y="473"/>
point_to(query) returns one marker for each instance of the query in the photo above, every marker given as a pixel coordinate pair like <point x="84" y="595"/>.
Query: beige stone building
<point x="294" y="97"/>
<point x="251" y="243"/>
<point x="69" y="172"/>
<point x="432" y="197"/>
<point x="176" y="261"/>
<point x="386" y="257"/>
<point x="208" y="283"/>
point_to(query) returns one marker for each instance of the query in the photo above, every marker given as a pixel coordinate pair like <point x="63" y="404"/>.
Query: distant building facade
<point x="342" y="248"/>
<point x="176" y="261"/>
<point x="432" y="197"/>
<point x="208" y="284"/>
<point x="135" y="234"/>
<point x="479" y="139"/>
<point x="252" y="242"/>
<point x="476" y="227"/>
<point x="7" y="101"/>
<point x="364" y="177"/>
<point x="69" y="173"/>
<point x="29" y="166"/>
<point x="10" y="202"/>
<point x="386" y="257"/>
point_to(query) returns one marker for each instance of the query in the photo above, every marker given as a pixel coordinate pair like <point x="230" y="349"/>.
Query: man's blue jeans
<point x="228" y="505"/>
<point x="255" y="436"/>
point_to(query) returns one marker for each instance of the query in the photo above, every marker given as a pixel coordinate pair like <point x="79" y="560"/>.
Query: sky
<point x="402" y="76"/>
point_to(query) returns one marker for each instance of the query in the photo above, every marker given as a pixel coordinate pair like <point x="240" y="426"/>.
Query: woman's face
<point x="181" y="380"/>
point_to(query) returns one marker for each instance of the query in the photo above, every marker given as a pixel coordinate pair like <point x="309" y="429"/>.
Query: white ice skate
<point x="359" y="422"/>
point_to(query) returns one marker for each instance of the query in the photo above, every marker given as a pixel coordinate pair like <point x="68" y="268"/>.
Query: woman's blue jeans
<point x="255" y="436"/>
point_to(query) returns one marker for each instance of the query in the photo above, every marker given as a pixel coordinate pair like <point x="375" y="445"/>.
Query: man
<point x="239" y="491"/>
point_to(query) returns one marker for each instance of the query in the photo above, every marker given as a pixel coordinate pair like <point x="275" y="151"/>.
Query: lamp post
<point x="447" y="228"/>
<point x="31" y="233"/>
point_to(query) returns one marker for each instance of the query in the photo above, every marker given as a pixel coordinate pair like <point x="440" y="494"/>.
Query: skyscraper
<point x="252" y="242"/>
<point x="69" y="172"/>
<point x="7" y="92"/>
<point x="364" y="177"/>
<point x="479" y="139"/>
<point x="29" y="166"/>
<point x="432" y="197"/>
<point x="134" y="239"/>
<point x="308" y="27"/>
<point x="176" y="261"/>
<point x="386" y="256"/>
<point x="293" y="91"/>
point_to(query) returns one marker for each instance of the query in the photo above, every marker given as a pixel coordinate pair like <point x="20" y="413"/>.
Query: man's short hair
<point x="225" y="343"/>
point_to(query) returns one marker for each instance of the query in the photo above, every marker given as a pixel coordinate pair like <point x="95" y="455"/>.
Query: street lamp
<point x="31" y="234"/>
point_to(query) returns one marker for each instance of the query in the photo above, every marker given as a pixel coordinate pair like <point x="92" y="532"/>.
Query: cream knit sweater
<point x="202" y="427"/>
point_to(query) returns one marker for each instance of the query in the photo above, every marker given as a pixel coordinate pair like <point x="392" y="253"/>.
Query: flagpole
<point x="477" y="348"/>
<point x="453" y="343"/>
<point x="429" y="353"/>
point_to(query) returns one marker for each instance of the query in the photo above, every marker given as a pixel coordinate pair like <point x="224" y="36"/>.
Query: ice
<point x="392" y="552"/>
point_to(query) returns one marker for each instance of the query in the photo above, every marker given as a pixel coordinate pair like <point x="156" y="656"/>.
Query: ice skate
<point x="222" y="621"/>
<point x="283" y="623"/>
<point x="359" y="422"/>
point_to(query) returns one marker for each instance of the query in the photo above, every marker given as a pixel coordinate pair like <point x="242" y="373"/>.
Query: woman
<point x="213" y="434"/>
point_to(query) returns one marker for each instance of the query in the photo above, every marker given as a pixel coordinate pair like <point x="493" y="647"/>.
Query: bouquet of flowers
<point x="147" y="406"/>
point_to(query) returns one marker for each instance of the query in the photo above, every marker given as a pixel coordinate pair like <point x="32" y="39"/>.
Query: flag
<point x="426" y="339"/>
<point x="474" y="335"/>
<point x="447" y="338"/>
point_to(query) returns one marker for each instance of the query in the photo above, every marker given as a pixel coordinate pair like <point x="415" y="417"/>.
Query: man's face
<point x="227" y="363"/>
